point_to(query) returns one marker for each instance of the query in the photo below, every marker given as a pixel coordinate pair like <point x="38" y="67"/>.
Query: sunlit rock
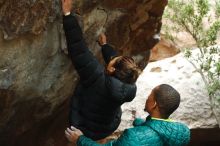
<point x="195" y="107"/>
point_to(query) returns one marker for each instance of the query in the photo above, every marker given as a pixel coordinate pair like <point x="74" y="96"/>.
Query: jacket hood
<point x="119" y="90"/>
<point x="171" y="133"/>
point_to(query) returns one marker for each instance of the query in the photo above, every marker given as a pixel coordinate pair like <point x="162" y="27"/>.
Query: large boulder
<point x="195" y="108"/>
<point x="164" y="49"/>
<point x="37" y="78"/>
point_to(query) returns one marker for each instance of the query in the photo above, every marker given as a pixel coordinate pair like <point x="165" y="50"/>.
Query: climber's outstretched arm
<point x="83" y="60"/>
<point x="73" y="32"/>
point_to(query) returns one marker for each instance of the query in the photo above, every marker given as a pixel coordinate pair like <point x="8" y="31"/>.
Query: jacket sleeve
<point x="120" y="91"/>
<point x="127" y="138"/>
<point x="84" y="141"/>
<point x="108" y="52"/>
<point x="84" y="61"/>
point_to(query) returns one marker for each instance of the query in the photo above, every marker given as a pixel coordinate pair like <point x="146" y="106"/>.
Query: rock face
<point x="194" y="110"/>
<point x="18" y="17"/>
<point x="163" y="49"/>
<point x="130" y="25"/>
<point x="37" y="78"/>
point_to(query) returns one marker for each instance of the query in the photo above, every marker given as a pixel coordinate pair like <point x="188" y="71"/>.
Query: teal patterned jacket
<point x="152" y="132"/>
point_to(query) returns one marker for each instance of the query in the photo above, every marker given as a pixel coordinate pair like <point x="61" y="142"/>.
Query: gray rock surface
<point x="37" y="78"/>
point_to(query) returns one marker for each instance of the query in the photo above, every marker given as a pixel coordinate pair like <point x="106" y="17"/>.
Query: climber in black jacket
<point x="96" y="103"/>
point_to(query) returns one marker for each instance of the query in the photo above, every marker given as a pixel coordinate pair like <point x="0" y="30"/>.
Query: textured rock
<point x="37" y="78"/>
<point x="130" y="25"/>
<point x="164" y="49"/>
<point x="20" y="16"/>
<point x="34" y="75"/>
<point x="194" y="109"/>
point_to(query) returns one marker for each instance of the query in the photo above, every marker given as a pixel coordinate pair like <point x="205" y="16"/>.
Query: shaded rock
<point x="34" y="75"/>
<point x="164" y="49"/>
<point x="7" y="78"/>
<point x="37" y="78"/>
<point x="20" y="16"/>
<point x="129" y="25"/>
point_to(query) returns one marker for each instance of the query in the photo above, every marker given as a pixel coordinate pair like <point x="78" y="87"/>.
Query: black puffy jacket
<point x="96" y="103"/>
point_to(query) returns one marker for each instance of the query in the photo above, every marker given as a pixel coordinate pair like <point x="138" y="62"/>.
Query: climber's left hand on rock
<point x="67" y="6"/>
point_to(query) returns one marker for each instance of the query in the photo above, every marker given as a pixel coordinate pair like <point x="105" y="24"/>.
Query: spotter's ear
<point x="155" y="105"/>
